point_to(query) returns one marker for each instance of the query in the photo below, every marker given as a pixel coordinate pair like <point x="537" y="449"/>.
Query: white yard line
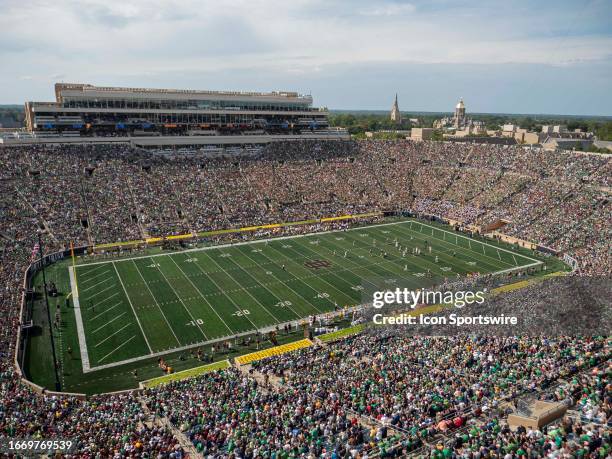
<point x="103" y="301"/>
<point x="133" y="310"/>
<point x="154" y="299"/>
<point x="94" y="285"/>
<point x="181" y="301"/>
<point x="514" y="268"/>
<point x="110" y="322"/>
<point x="118" y="347"/>
<point x="90" y="271"/>
<point x="101" y="291"/>
<point x="110" y="336"/>
<point x="105" y="311"/>
<point x="201" y="295"/>
<point x="84" y="281"/>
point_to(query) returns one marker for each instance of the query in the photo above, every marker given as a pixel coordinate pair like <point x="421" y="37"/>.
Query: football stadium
<point x="217" y="241"/>
<point x="215" y="303"/>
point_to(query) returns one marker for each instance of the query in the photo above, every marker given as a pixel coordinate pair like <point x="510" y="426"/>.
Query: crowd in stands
<point x="401" y="386"/>
<point x="585" y="433"/>
<point x="418" y="384"/>
<point x="108" y="426"/>
<point x="94" y="195"/>
<point x="229" y="413"/>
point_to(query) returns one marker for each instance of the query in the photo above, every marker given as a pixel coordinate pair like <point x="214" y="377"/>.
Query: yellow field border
<point x="342" y="333"/>
<point x="191" y="372"/>
<point x="278" y="350"/>
<point x="153" y="240"/>
<point x="525" y="283"/>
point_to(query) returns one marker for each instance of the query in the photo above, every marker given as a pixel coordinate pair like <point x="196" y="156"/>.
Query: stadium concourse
<point x="360" y="397"/>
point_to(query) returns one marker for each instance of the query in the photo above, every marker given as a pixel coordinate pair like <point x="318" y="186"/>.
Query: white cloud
<point x="118" y="41"/>
<point x="389" y="9"/>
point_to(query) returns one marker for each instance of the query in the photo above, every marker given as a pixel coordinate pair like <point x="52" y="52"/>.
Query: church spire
<point x="396" y="116"/>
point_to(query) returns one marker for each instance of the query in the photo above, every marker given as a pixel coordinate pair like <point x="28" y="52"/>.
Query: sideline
<point x="294" y="236"/>
<point x="79" y="320"/>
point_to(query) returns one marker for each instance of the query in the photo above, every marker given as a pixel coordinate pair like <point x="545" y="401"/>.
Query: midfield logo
<point x="317" y="264"/>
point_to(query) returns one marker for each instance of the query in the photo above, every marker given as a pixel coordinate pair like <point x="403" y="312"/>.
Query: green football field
<point x="137" y="308"/>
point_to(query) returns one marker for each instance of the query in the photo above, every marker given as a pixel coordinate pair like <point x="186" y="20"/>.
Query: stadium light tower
<point x="58" y="385"/>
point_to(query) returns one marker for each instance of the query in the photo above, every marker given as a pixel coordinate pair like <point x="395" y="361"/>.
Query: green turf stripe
<point x="155" y="324"/>
<point x="281" y="295"/>
<point x="108" y="319"/>
<point x="324" y="281"/>
<point x="201" y="308"/>
<point x="307" y="302"/>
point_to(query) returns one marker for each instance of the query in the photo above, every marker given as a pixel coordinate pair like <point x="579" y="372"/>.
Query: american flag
<point x="34" y="252"/>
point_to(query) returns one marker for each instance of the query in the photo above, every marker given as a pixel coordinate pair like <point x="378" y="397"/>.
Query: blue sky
<point x="500" y="56"/>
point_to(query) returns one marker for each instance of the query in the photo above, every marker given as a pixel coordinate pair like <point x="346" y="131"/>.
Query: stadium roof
<point x="89" y="89"/>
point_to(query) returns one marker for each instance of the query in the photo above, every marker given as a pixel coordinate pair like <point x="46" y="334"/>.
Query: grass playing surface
<point x="135" y="308"/>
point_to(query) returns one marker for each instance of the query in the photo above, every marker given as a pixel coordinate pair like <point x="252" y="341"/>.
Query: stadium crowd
<point x="230" y="413"/>
<point x="418" y="384"/>
<point x="105" y="426"/>
<point x="358" y="396"/>
<point x="101" y="194"/>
